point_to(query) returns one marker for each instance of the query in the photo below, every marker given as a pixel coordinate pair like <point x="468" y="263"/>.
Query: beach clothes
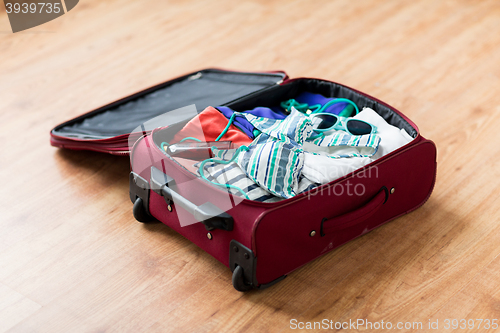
<point x="207" y="126"/>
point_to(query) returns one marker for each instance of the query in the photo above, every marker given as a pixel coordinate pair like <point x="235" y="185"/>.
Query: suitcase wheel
<point x="239" y="281"/>
<point x="140" y="212"/>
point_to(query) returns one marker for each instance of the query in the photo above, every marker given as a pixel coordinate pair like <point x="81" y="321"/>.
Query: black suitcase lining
<point x="203" y="88"/>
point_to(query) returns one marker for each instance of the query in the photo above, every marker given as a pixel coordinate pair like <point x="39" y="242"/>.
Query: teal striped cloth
<point x="295" y="128"/>
<point x="275" y="158"/>
<point x="340" y="144"/>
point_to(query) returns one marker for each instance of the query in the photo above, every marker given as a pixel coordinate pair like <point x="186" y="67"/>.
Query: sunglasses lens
<point x="323" y="121"/>
<point x="357" y="127"/>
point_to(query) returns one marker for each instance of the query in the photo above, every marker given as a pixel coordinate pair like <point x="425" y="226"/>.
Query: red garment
<point x="208" y="125"/>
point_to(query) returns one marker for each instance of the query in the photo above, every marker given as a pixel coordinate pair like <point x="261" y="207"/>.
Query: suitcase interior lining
<point x="203" y="88"/>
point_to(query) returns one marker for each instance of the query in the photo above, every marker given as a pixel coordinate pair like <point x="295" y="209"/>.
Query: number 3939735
<point x="33" y="7"/>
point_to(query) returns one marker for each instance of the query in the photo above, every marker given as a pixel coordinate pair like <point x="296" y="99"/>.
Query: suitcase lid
<point x="107" y="128"/>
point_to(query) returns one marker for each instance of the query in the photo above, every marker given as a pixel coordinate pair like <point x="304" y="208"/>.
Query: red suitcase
<point x="263" y="242"/>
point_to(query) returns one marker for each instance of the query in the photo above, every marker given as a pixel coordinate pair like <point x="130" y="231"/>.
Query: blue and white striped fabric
<point x="295" y="128"/>
<point x="341" y="144"/>
<point x="231" y="174"/>
<point x="275" y="158"/>
<point x="273" y="164"/>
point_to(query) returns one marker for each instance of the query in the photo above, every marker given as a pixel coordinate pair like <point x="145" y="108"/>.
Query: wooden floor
<point x="72" y="257"/>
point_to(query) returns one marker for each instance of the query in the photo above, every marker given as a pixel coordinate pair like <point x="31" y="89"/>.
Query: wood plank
<point x="14" y="307"/>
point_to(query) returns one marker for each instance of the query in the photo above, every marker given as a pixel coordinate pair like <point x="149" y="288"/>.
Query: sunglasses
<point x="323" y="122"/>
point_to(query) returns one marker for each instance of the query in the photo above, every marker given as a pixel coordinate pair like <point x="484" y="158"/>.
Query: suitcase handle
<point x="359" y="215"/>
<point x="208" y="214"/>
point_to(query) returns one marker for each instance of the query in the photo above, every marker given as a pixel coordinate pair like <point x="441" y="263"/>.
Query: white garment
<point x="391" y="137"/>
<point x="323" y="169"/>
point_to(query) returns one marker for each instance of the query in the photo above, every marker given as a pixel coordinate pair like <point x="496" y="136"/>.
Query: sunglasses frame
<point x="341" y="124"/>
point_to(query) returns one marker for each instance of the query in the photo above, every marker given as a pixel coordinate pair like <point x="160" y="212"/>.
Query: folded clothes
<point x="208" y="125"/>
<point x="391" y="136"/>
<point x="274" y="159"/>
<point x="287" y="156"/>
<point x="321" y="168"/>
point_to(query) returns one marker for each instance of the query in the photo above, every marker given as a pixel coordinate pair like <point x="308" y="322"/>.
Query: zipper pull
<point x="195" y="76"/>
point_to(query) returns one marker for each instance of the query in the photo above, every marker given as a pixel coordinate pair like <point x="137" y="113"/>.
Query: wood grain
<point x="72" y="257"/>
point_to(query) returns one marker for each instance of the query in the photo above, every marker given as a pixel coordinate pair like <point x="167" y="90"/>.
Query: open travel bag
<point x="281" y="196"/>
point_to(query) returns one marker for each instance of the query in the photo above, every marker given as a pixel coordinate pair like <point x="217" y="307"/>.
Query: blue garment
<point x="277" y="112"/>
<point x="244" y="125"/>
<point x="312" y="99"/>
